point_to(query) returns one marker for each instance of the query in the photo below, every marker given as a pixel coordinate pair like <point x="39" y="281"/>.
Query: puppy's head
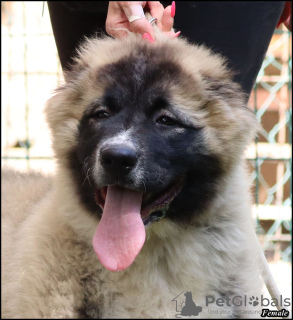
<point x="147" y="130"/>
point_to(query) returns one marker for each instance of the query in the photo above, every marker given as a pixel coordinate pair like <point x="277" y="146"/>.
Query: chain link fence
<point x="270" y="156"/>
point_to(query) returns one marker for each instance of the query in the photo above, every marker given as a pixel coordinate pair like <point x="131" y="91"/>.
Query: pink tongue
<point x="120" y="234"/>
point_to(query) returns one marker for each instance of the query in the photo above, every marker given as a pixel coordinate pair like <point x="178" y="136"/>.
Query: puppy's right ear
<point x="233" y="123"/>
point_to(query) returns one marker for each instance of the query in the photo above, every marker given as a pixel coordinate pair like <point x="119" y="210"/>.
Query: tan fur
<point x="49" y="267"/>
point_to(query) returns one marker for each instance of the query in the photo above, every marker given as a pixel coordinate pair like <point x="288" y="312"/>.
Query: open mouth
<point x="154" y="205"/>
<point x="121" y="233"/>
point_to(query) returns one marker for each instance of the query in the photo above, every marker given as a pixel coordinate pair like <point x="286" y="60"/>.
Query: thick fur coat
<point x="204" y="245"/>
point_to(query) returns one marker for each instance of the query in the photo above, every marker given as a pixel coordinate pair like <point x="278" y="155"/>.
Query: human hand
<point x="130" y="15"/>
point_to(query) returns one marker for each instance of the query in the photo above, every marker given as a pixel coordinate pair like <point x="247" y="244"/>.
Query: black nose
<point x="118" y="158"/>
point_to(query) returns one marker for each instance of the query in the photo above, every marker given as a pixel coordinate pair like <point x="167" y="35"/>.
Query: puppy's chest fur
<point x="146" y="289"/>
<point x="82" y="288"/>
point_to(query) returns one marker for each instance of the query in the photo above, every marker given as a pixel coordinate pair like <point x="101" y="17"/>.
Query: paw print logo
<point x="253" y="301"/>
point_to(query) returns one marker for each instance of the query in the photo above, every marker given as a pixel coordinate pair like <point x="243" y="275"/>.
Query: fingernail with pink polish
<point x="173" y="8"/>
<point x="148" y="37"/>
<point x="177" y="34"/>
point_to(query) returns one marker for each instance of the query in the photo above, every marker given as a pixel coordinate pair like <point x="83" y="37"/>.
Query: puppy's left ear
<point x="228" y="111"/>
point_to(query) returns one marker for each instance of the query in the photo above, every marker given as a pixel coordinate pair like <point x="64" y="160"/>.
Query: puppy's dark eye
<point x="101" y="114"/>
<point x="167" y="121"/>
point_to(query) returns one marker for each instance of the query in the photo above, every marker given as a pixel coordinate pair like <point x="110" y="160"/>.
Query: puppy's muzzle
<point x="118" y="160"/>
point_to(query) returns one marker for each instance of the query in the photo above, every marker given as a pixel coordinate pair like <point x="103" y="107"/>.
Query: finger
<point x="137" y="22"/>
<point x="142" y="26"/>
<point x="167" y="20"/>
<point x="172" y="34"/>
<point x="156" y="10"/>
<point x="117" y="30"/>
<point x="116" y="20"/>
<point x="133" y="9"/>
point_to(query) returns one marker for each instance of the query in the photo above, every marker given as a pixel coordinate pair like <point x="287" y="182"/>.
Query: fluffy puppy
<point x="149" y="140"/>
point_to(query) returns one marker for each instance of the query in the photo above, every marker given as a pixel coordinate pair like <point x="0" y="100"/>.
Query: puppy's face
<point x="162" y="120"/>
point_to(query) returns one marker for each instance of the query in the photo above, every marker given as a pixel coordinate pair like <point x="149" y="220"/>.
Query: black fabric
<point x="70" y="26"/>
<point x="86" y="6"/>
<point x="239" y="30"/>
